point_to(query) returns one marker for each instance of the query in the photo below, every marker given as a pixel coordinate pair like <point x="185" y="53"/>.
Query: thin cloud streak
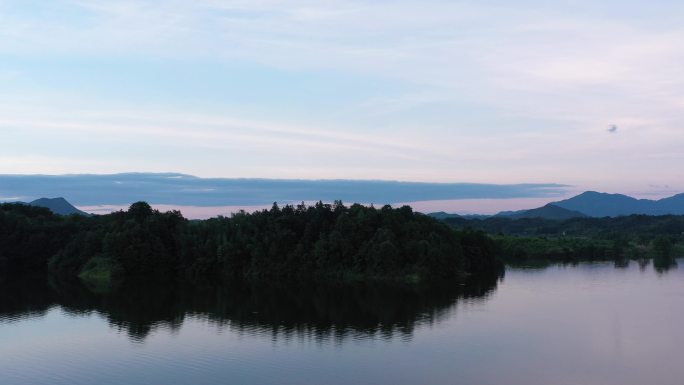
<point x="187" y="190"/>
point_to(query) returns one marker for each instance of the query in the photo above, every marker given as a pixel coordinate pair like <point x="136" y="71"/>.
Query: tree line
<point x="609" y="238"/>
<point x="321" y="240"/>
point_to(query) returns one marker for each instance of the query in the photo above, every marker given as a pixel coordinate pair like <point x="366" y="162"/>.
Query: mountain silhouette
<point x="550" y="211"/>
<point x="596" y="204"/>
<point x="58" y="206"/>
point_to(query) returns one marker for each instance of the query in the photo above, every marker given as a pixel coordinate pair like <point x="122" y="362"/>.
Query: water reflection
<point x="662" y="264"/>
<point x="621" y="263"/>
<point x="589" y="323"/>
<point x="321" y="311"/>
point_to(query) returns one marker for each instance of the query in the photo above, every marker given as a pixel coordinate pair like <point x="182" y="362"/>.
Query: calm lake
<point x="592" y="323"/>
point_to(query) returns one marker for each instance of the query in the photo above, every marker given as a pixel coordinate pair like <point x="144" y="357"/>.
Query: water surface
<point x="597" y="323"/>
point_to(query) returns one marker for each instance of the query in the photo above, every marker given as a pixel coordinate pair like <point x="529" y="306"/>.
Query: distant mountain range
<point x="58" y="206"/>
<point x="587" y="204"/>
<point x="549" y="211"/>
<point x="594" y="204"/>
<point x="444" y="215"/>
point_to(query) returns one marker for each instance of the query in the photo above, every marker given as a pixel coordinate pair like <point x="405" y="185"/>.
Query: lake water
<point x="585" y="324"/>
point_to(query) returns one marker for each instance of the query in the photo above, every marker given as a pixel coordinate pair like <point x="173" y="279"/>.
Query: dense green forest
<point x="609" y="238"/>
<point x="290" y="242"/>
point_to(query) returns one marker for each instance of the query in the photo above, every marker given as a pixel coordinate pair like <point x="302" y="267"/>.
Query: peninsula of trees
<point x="323" y="240"/>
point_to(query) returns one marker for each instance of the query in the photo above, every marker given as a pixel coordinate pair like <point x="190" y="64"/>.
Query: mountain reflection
<point x="284" y="311"/>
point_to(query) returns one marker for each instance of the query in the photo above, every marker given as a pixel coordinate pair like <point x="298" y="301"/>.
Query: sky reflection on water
<point x="584" y="324"/>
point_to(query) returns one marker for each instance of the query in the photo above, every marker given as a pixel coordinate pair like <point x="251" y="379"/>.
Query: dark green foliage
<point x="330" y="240"/>
<point x="293" y="242"/>
<point x="638" y="227"/>
<point x="621" y="238"/>
<point x="138" y="241"/>
<point x="30" y="235"/>
<point x="662" y="246"/>
<point x="663" y="250"/>
<point x="521" y="249"/>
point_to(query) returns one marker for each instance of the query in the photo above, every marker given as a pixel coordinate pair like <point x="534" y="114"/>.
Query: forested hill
<point x="642" y="227"/>
<point x="627" y="237"/>
<point x="290" y="242"/>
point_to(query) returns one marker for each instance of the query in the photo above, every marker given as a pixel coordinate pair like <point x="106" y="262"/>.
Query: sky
<point x="584" y="93"/>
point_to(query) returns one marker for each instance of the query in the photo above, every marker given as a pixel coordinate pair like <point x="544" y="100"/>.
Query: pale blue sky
<point x="433" y="91"/>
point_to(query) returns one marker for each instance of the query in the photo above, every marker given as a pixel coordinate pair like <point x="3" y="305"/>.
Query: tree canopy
<point x="322" y="240"/>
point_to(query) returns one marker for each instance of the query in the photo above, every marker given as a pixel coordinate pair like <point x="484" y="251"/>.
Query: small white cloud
<point x="10" y="199"/>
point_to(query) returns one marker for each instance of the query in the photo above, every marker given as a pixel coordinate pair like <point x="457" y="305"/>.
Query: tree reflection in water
<point x="285" y="311"/>
<point x="663" y="264"/>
